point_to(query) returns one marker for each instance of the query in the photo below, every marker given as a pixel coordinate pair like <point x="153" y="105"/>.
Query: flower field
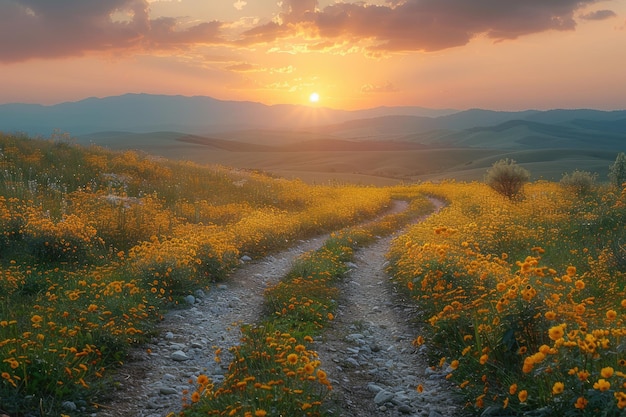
<point x="94" y="245"/>
<point x="523" y="301"/>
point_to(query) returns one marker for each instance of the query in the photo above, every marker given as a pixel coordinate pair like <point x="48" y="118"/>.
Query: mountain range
<point x="142" y="113"/>
<point x="446" y="142"/>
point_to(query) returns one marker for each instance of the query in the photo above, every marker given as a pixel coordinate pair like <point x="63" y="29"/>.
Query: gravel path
<point x="367" y="351"/>
<point x="151" y="383"/>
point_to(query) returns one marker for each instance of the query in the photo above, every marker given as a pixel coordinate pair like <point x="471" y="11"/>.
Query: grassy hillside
<point x="95" y="244"/>
<point x="369" y="152"/>
<point x="376" y="163"/>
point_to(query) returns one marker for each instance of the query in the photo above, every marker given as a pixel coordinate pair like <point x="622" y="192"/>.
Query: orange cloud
<point x="386" y="88"/>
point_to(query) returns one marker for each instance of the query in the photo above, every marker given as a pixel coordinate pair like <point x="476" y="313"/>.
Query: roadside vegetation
<point x="522" y="292"/>
<point x="524" y="300"/>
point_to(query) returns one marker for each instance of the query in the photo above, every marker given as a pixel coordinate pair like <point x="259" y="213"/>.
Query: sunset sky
<point x="492" y="54"/>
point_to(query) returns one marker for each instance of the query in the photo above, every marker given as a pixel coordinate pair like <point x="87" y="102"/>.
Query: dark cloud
<point x="295" y="10"/>
<point x="59" y="28"/>
<point x="598" y="15"/>
<point x="421" y="25"/>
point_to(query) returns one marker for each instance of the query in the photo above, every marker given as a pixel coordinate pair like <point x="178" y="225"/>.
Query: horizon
<point x="314" y="106"/>
<point x="502" y="56"/>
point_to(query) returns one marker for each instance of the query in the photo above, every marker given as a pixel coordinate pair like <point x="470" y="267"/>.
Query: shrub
<point x="617" y="171"/>
<point x="580" y="182"/>
<point x="507" y="178"/>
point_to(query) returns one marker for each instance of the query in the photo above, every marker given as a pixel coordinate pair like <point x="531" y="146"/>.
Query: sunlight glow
<point x="314" y="98"/>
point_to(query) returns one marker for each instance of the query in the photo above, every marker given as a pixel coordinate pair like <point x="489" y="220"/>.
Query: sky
<point x="452" y="54"/>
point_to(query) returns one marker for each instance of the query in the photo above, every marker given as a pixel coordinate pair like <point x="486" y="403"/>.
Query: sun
<point x="314" y="98"/>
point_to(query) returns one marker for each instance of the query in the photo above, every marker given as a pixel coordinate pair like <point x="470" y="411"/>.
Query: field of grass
<point x="377" y="166"/>
<point x="524" y="300"/>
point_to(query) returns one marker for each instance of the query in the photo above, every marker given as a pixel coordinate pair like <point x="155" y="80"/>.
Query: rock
<point x="199" y="294"/>
<point x="69" y="406"/>
<point x="245" y="258"/>
<point x="383" y="396"/>
<point x="177" y="346"/>
<point x="354" y="337"/>
<point x="352" y="362"/>
<point x="405" y="409"/>
<point x="179" y="356"/>
<point x="169" y="335"/>
<point x="373" y="387"/>
<point x="168" y="391"/>
<point x="153" y="405"/>
<point x="190" y="299"/>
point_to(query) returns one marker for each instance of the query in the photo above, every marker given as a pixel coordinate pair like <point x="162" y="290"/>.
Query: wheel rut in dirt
<point x="153" y="381"/>
<point x="368" y="353"/>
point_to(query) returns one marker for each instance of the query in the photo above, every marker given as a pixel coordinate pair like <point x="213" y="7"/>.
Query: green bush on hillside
<point x="580" y="182"/>
<point x="617" y="171"/>
<point x="507" y="178"/>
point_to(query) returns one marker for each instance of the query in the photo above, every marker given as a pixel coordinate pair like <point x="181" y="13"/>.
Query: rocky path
<point x="367" y="352"/>
<point x="152" y="382"/>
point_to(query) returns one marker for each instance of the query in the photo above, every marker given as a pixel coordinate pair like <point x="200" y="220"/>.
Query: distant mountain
<point x="524" y="134"/>
<point x="475" y="118"/>
<point x="566" y="129"/>
<point x="147" y="121"/>
<point x="142" y="113"/>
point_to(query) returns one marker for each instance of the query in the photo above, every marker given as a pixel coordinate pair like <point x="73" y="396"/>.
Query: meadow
<point x="522" y="300"/>
<point x="95" y="245"/>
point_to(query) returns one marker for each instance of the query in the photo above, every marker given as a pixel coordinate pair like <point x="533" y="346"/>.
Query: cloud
<point x="386" y="88"/>
<point x="242" y="67"/>
<point x="247" y="67"/>
<point x="240" y="4"/>
<point x="295" y="10"/>
<point x="61" y="28"/>
<point x="598" y="15"/>
<point x="418" y="25"/>
<point x="64" y="28"/>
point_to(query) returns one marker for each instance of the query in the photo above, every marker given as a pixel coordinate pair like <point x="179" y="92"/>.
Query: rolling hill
<point x="379" y="145"/>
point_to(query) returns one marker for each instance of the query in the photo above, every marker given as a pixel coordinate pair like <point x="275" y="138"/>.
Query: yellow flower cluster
<point x="269" y="370"/>
<point x="530" y="292"/>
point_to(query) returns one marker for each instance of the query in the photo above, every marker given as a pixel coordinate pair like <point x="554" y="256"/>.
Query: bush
<point x="507" y="178"/>
<point x="580" y="182"/>
<point x="617" y="171"/>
